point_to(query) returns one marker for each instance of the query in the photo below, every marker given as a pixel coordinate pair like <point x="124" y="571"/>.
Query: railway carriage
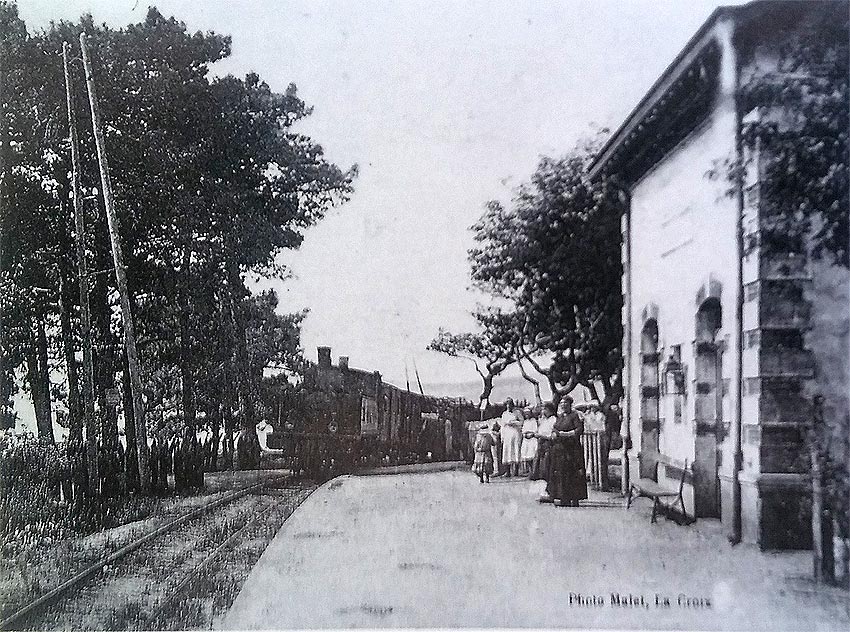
<point x="343" y="418"/>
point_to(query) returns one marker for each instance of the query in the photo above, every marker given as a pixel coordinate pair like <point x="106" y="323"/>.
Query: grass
<point x="214" y="591"/>
<point x="38" y="557"/>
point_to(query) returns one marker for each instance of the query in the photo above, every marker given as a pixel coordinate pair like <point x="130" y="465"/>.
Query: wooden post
<point x="82" y="272"/>
<point x="3" y="169"/>
<point x="817" y="511"/>
<point x="626" y="409"/>
<point x="730" y="92"/>
<point x="120" y="276"/>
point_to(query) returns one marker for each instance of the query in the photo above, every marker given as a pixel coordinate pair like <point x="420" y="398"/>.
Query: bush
<point x="30" y="475"/>
<point x="32" y="509"/>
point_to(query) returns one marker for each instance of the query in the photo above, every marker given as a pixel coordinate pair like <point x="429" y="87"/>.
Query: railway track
<point x="148" y="583"/>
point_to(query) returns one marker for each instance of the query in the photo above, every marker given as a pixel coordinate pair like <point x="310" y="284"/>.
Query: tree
<point x="274" y="345"/>
<point x="32" y="226"/>
<point x="797" y="122"/>
<point x="491" y="349"/>
<point x="236" y="187"/>
<point x="555" y="255"/>
<point x="274" y="184"/>
<point x="802" y="135"/>
<point x="211" y="183"/>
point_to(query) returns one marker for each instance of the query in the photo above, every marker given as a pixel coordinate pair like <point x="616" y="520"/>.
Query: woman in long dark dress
<point x="540" y="465"/>
<point x="567" y="482"/>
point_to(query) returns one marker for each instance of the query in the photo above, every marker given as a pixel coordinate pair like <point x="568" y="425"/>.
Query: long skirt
<point x="483" y="463"/>
<point x="540" y="465"/>
<point x="511" y="446"/>
<point x="566" y="471"/>
<point x="528" y="450"/>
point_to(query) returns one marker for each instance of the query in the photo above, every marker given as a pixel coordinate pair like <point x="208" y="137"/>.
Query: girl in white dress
<point x="529" y="441"/>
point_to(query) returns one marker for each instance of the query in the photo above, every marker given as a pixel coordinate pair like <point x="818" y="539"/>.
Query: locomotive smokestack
<point x="324" y="357"/>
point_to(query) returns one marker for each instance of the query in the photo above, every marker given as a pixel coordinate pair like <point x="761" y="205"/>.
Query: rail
<point x="195" y="572"/>
<point x="29" y="609"/>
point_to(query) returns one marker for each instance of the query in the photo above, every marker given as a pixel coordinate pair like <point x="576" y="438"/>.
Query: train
<point x="342" y="418"/>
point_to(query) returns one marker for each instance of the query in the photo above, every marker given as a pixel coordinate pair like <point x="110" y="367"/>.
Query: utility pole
<point x="82" y="272"/>
<point x="120" y="276"/>
<point x="3" y="143"/>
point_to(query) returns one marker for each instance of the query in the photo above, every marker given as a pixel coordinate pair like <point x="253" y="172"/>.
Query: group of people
<point x="544" y="447"/>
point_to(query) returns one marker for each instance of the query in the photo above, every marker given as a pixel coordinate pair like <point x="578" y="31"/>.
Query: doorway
<point x="649" y="417"/>
<point x="708" y="409"/>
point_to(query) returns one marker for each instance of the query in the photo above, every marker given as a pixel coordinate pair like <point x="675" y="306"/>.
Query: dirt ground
<point x="440" y="549"/>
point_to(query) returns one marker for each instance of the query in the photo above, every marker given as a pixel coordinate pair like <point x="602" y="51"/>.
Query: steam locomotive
<point x="344" y="418"/>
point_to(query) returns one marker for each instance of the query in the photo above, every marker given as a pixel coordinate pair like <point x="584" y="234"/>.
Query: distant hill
<point x="515" y="387"/>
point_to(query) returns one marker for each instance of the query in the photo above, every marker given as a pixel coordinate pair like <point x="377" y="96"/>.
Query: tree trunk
<point x="248" y="449"/>
<point x="187" y="390"/>
<point x="105" y="370"/>
<point x="557" y="393"/>
<point x="243" y="380"/>
<point x="534" y="383"/>
<point x="487" y="390"/>
<point x="5" y="390"/>
<point x="75" y="409"/>
<point x="229" y="429"/>
<point x="39" y="378"/>
<point x="827" y="536"/>
<point x="484" y="398"/>
<point x="131" y="466"/>
<point x="841" y="566"/>
<point x="823" y="560"/>
<point x="225" y="395"/>
<point x="818" y="545"/>
<point x="215" y="424"/>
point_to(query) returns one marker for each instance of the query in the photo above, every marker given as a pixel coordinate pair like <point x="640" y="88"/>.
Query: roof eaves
<point x="664" y="81"/>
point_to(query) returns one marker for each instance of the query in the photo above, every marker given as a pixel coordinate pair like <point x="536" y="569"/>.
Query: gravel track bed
<point x="26" y="575"/>
<point x="129" y="594"/>
<point x="208" y="598"/>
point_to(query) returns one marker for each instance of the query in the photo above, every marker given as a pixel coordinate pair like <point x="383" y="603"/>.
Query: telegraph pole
<point x="120" y="276"/>
<point x="3" y="144"/>
<point x="82" y="272"/>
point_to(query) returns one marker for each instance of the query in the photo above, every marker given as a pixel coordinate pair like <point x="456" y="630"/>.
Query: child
<point x="483" y="464"/>
<point x="529" y="440"/>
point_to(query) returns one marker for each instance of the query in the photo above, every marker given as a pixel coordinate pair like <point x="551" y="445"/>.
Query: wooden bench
<point x="650" y="489"/>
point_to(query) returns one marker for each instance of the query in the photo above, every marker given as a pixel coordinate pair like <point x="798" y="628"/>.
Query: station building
<point x="726" y="344"/>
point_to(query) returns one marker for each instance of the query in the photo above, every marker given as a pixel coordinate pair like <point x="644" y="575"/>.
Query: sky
<point x="444" y="106"/>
